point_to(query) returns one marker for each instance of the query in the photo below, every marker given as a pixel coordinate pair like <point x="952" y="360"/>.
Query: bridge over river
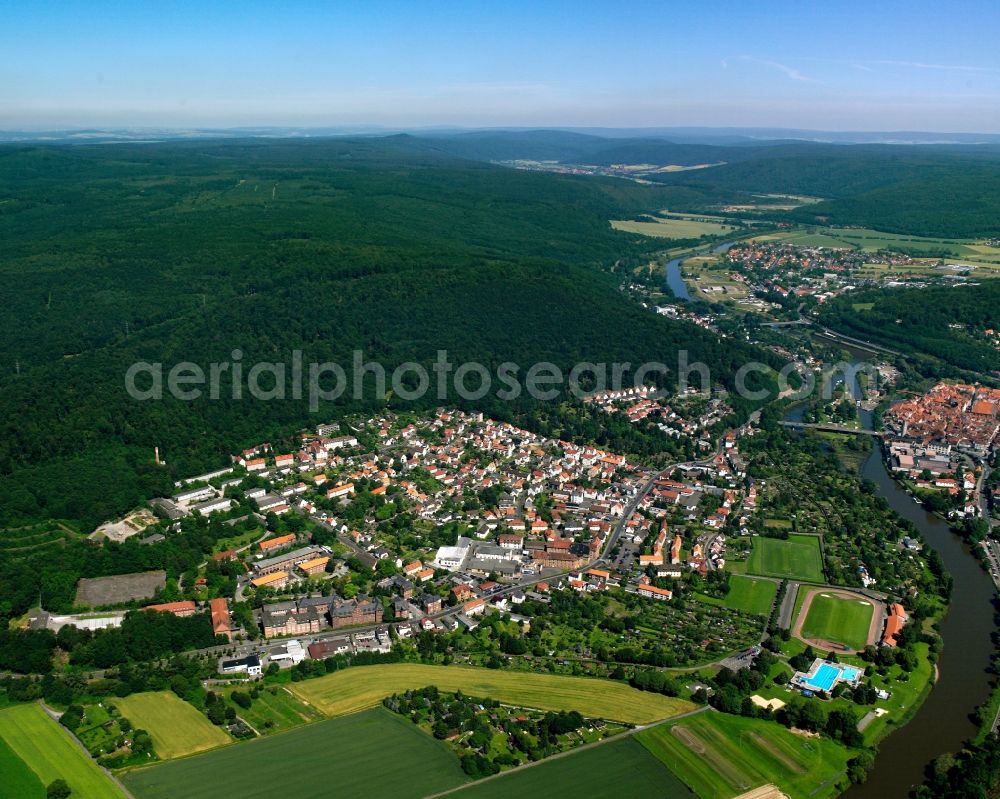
<point x="831" y="428"/>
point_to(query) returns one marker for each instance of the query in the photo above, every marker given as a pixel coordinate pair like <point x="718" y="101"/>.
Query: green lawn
<point x="720" y="756"/>
<point x="839" y="620"/>
<point x="360" y="687"/>
<point x="51" y="753"/>
<point x="372" y="754"/>
<point x="176" y="727"/>
<point x="797" y="558"/>
<point x="275" y="710"/>
<point x="747" y="594"/>
<point x="18" y="781"/>
<point x="613" y="770"/>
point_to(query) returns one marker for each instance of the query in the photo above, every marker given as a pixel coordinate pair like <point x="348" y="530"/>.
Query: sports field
<point x="361" y="687"/>
<point x="51" y="753"/>
<point x="175" y="726"/>
<point x="746" y="594"/>
<point x="612" y="770"/>
<point x="372" y="754"/>
<point x="838" y="619"/>
<point x="798" y="558"/>
<point x="720" y="756"/>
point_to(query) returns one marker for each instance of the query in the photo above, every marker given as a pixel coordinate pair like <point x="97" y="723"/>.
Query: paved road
<point x="788" y="605"/>
<point x="641" y="494"/>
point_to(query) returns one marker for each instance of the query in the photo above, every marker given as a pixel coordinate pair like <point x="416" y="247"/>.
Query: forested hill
<point x="931" y="190"/>
<point x="947" y="323"/>
<point x="185" y="252"/>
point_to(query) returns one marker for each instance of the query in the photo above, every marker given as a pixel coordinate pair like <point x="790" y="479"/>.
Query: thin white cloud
<point x="947" y="67"/>
<point x="790" y="72"/>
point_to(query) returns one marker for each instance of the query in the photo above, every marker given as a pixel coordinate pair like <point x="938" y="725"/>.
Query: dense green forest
<point x="950" y="191"/>
<point x="921" y="320"/>
<point x="187" y="251"/>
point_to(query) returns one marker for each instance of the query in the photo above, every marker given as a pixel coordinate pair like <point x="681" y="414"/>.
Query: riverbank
<point x="946" y="718"/>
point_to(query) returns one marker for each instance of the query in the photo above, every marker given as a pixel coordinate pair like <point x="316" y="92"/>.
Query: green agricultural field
<point x="720" y="756"/>
<point x="361" y="687"/>
<point x="275" y="710"/>
<point x="373" y="754"/>
<point x="175" y="726"/>
<point x="673" y="228"/>
<point x="839" y="620"/>
<point x="798" y="558"/>
<point x="51" y="753"/>
<point x="747" y="594"/>
<point x="19" y="781"/>
<point x="612" y="770"/>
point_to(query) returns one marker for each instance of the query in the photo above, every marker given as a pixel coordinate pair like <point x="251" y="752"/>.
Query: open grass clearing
<point x="673" y="227"/>
<point x="372" y="754"/>
<point x="721" y="756"/>
<point x="51" y="753"/>
<point x="796" y="558"/>
<point x="176" y="727"/>
<point x="361" y="687"/>
<point x="746" y="593"/>
<point x="275" y="710"/>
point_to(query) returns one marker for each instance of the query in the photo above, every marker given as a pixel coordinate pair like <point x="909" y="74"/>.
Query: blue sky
<point x="836" y="65"/>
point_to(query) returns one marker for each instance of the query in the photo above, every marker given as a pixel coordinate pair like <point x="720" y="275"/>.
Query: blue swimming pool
<point x="824" y="678"/>
<point x="827" y="675"/>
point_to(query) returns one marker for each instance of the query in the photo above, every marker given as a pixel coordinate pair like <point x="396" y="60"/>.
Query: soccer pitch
<point x="839" y="619"/>
<point x="797" y="558"/>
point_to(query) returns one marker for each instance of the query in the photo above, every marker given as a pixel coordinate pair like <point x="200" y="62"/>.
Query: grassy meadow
<point x="363" y="687"/>
<point x="275" y="710"/>
<point x="674" y="227"/>
<point x="747" y="594"/>
<point x="176" y="727"/>
<point x="720" y="756"/>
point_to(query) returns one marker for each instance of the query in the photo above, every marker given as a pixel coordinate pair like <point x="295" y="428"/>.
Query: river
<point x="675" y="282"/>
<point x="944" y="720"/>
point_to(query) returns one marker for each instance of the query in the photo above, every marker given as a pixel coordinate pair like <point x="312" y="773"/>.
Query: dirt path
<point x="763" y="792"/>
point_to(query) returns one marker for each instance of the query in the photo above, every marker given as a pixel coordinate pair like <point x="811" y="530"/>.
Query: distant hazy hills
<point x="678" y="135"/>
